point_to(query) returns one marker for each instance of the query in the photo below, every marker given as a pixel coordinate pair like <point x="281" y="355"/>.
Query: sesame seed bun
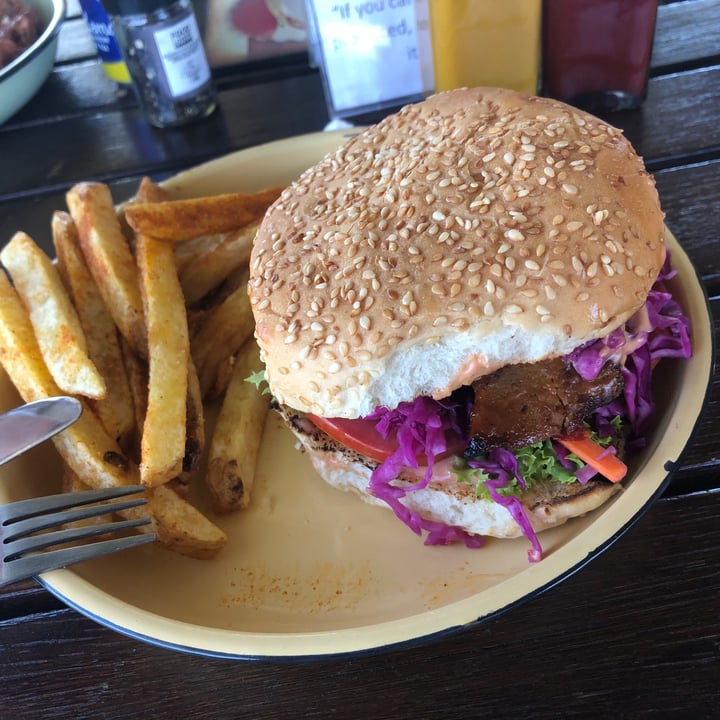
<point x="479" y="228"/>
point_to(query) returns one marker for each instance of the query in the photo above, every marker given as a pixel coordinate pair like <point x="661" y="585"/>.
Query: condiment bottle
<point x="102" y="34"/>
<point x="485" y="42"/>
<point x="164" y="52"/>
<point x="596" y="53"/>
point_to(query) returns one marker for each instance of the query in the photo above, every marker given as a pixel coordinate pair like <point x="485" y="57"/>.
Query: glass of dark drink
<point x="596" y="53"/>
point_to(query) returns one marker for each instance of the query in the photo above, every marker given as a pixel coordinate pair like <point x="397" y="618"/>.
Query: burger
<point x="460" y="309"/>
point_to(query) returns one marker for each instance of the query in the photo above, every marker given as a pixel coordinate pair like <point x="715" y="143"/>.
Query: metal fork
<point x="21" y="524"/>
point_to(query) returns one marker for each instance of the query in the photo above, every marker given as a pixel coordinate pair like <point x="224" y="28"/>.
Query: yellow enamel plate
<point x="311" y="571"/>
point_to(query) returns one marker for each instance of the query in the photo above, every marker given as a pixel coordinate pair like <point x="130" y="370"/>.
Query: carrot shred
<point x="606" y="463"/>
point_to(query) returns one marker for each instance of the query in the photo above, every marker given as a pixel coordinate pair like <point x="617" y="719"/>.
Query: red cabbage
<point x="501" y="468"/>
<point x="659" y="330"/>
<point x="423" y="427"/>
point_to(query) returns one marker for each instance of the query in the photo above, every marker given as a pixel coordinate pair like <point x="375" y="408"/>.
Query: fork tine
<point x="14" y="549"/>
<point x="37" y="506"/>
<point x="32" y="565"/>
<point x="13" y="530"/>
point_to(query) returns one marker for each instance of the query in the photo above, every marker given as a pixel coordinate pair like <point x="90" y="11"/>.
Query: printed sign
<point x="372" y="53"/>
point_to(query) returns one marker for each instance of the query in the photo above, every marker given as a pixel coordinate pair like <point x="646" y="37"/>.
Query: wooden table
<point x="636" y="633"/>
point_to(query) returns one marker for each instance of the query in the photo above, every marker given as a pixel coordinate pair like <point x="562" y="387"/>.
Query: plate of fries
<point x="143" y="315"/>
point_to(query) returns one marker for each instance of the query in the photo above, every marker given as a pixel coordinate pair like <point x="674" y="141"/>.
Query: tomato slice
<point x="360" y="435"/>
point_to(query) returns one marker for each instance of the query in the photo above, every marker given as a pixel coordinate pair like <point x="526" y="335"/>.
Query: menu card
<point x="371" y="53"/>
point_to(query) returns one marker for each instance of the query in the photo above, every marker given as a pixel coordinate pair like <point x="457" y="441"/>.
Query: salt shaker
<point x="163" y="49"/>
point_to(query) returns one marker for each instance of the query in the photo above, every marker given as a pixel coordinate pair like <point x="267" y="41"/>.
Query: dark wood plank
<point x="114" y="144"/>
<point x="72" y="91"/>
<point x="111" y="145"/>
<point x="686" y="32"/>
<point x="690" y="197"/>
<point x="674" y="125"/>
<point x="82" y="88"/>
<point x="633" y="634"/>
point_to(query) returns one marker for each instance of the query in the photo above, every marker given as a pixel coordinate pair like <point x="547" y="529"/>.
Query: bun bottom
<point x="547" y="505"/>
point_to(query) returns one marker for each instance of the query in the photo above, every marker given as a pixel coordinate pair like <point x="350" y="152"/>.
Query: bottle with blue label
<point x="101" y="30"/>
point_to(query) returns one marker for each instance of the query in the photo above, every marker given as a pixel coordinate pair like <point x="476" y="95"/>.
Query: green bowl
<point x="22" y="78"/>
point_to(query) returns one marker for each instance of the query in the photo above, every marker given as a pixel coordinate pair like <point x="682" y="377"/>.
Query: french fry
<point x="223" y="332"/>
<point x="210" y="269"/>
<point x="150" y="191"/>
<point x="115" y="410"/>
<point x="236" y="438"/>
<point x="195" y="423"/>
<point x="137" y="375"/>
<point x="88" y="450"/>
<point x="194" y="437"/>
<point x="72" y="483"/>
<point x="56" y="324"/>
<point x="158" y="288"/>
<point x="189" y="251"/>
<point x="164" y="429"/>
<point x="179" y="220"/>
<point x="109" y="259"/>
<point x="183" y="528"/>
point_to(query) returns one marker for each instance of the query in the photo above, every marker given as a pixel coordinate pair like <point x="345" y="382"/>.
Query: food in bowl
<point x="460" y="309"/>
<point x="20" y="27"/>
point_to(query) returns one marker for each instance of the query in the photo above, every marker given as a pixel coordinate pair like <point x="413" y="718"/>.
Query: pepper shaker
<point x="164" y="53"/>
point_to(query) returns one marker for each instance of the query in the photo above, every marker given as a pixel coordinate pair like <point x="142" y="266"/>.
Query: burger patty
<point x="522" y="404"/>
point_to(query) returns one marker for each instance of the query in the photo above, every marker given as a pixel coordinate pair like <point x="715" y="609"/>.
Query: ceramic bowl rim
<point x="46" y="37"/>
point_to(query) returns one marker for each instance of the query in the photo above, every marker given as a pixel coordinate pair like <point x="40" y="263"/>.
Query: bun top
<point x="478" y="228"/>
